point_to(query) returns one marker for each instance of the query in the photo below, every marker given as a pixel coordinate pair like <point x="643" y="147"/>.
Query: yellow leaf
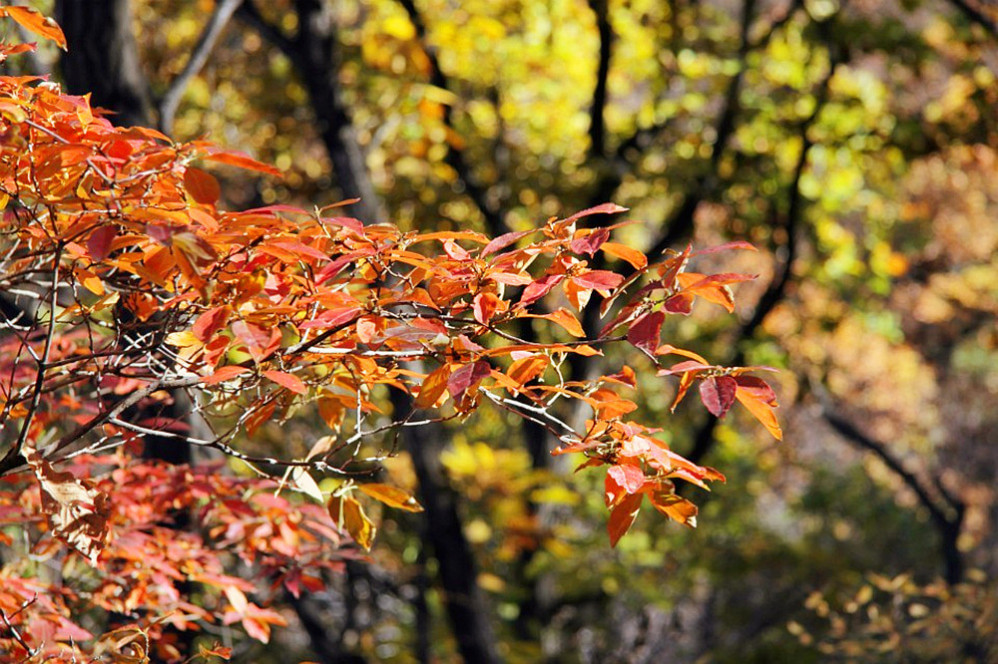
<point x="392" y="496"/>
<point x="434" y="387"/>
<point x="182" y="339"/>
<point x="348" y="514"/>
<point x="761" y="410"/>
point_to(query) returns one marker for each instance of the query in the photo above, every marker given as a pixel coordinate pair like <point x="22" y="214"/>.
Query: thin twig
<point x="199" y="56"/>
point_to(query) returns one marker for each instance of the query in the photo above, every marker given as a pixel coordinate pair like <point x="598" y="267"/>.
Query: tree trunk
<point x="314" y="53"/>
<point x="103" y="59"/>
<point x="466" y="606"/>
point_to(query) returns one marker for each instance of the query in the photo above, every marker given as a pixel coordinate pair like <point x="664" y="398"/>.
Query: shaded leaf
<point x="622" y="517"/>
<point x="348" y="514"/>
<point x="644" y="333"/>
<point x="718" y="394"/>
<point x="589" y="241"/>
<point x="202" y="186"/>
<point x="433" y="387"/>
<point x="467" y="377"/>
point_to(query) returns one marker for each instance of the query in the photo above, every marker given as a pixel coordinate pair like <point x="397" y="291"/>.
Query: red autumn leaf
<point x="603" y="208"/>
<point x="736" y="244"/>
<point x="223" y="374"/>
<point x="644" y="332"/>
<point x="502" y="242"/>
<point x="259" y="342"/>
<point x="684" y="367"/>
<point x="485" y="306"/>
<point x="99" y="242"/>
<point x="718" y="394"/>
<point x="757" y="387"/>
<point x="289" y="381"/>
<point x="540" y="288"/>
<point x="680" y="303"/>
<point x="599" y="280"/>
<point x="456" y="251"/>
<point x="299" y="249"/>
<point x="202" y="186"/>
<point x="622" y="517"/>
<point x="333" y="318"/>
<point x="210" y="322"/>
<point x="589" y="242"/>
<point x="467" y="377"/>
<point x="624" y="478"/>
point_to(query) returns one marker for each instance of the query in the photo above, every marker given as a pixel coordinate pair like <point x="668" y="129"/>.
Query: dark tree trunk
<point x="465" y="602"/>
<point x="103" y="59"/>
<point x="314" y="54"/>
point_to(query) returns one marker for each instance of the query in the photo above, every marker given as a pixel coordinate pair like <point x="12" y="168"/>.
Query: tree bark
<point x="103" y="59"/>
<point x="314" y="54"/>
<point x="465" y="602"/>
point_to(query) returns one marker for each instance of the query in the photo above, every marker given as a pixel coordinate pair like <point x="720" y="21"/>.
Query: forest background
<point x="854" y="143"/>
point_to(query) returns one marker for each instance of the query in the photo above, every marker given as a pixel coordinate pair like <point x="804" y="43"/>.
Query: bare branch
<point x="248" y="12"/>
<point x="976" y="17"/>
<point x="206" y="42"/>
<point x="946" y="511"/>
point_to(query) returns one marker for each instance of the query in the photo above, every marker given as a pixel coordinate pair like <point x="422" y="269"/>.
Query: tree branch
<point x="248" y="13"/>
<point x="597" y="122"/>
<point x="199" y="56"/>
<point x="704" y="439"/>
<point x="947" y="517"/>
<point x="680" y="223"/>
<point x="975" y="16"/>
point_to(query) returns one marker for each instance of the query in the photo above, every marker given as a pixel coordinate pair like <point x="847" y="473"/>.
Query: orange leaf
<point x="202" y="186"/>
<point x="637" y="259"/>
<point x="485" y="307"/>
<point x="289" y="381"/>
<point x="763" y="410"/>
<point x="622" y="516"/>
<point x="684" y="386"/>
<point x="32" y="21"/>
<point x="433" y="387"/>
<point x="392" y="496"/>
<point x="210" y="322"/>
<point x="565" y="319"/>
<point x="676" y="508"/>
<point x="331" y="411"/>
<point x="526" y="369"/>
<point x="348" y="514"/>
<point x="241" y="160"/>
<point x="223" y="374"/>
